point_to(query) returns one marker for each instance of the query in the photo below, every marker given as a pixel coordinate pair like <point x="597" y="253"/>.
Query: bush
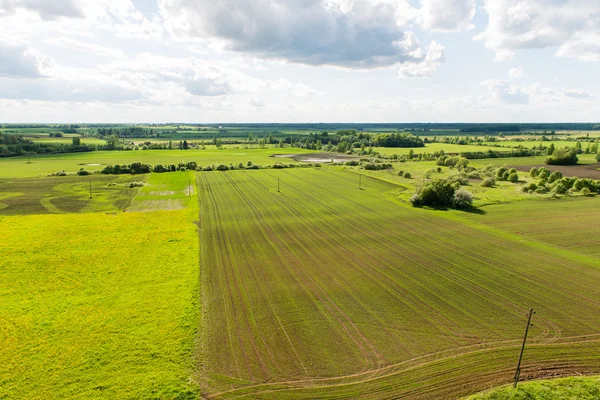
<point x="586" y="192"/>
<point x="439" y="170"/>
<point x="83" y="172"/>
<point x="135" y="184"/>
<point x="416" y="200"/>
<point x="544" y="175"/>
<point x="352" y="163"/>
<point x="556" y="175"/>
<point x="462" y="199"/>
<point x="437" y="193"/>
<point x="159" y="168"/>
<point x="407" y="175"/>
<point x="474" y="175"/>
<point x="560" y="188"/>
<point x="564" y="156"/>
<point x="500" y="173"/>
<point x="428" y="174"/>
<point x="400" y="173"/>
<point x="459" y="179"/>
<point x="579" y="184"/>
<point x="488" y="182"/>
<point x="533" y="172"/>
<point x="541" y="190"/>
<point x="514" y="177"/>
<point x="222" y="167"/>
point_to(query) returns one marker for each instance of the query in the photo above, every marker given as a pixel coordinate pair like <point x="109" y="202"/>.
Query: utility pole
<point x="359" y="181"/>
<point x="90" y="189"/>
<point x="278" y="185"/>
<point x="190" y="188"/>
<point x="518" y="371"/>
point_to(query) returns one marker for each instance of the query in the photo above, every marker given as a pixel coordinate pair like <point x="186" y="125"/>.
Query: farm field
<point x="580" y="388"/>
<point x="324" y="291"/>
<point x="433" y="147"/>
<point x="572" y="224"/>
<point x="42" y="165"/>
<point x="66" y="194"/>
<point x="98" y="305"/>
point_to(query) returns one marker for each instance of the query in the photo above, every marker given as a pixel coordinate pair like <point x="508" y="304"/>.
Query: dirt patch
<point x="317" y="157"/>
<point x="581" y="171"/>
<point x="157" y="205"/>
<point x="164" y="193"/>
<point x="93" y="165"/>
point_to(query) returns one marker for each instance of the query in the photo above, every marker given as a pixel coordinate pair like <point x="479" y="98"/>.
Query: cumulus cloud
<point x="47" y="9"/>
<point x="447" y="15"/>
<point x="516" y="73"/>
<point x="506" y="92"/>
<point x="571" y="25"/>
<point x="207" y="87"/>
<point x="358" y="34"/>
<point x="578" y="94"/>
<point x="426" y="68"/>
<point x="18" y="60"/>
<point x="77" y="45"/>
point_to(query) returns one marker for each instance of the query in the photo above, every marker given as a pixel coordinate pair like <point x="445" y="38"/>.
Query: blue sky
<point x="299" y="60"/>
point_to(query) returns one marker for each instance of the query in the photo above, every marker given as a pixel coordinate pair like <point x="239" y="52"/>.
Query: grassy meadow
<point x="98" y="306"/>
<point x="580" y="388"/>
<point x="187" y="285"/>
<point x="42" y="165"/>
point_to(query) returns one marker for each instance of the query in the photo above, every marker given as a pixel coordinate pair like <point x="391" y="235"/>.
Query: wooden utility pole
<point x="90" y="189"/>
<point x="518" y="371"/>
<point x="359" y="181"/>
<point x="190" y="188"/>
<point x="278" y="185"/>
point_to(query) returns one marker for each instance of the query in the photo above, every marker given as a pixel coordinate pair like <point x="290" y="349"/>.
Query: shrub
<point x="556" y="175"/>
<point x="459" y="179"/>
<point x="598" y="157"/>
<point x="439" y="170"/>
<point x="135" y="184"/>
<point x="462" y="199"/>
<point x="474" y="175"/>
<point x="83" y="172"/>
<point x="586" y="192"/>
<point x="560" y="188"/>
<point x="500" y="173"/>
<point x="564" y="156"/>
<point x="514" y="177"/>
<point x="437" y="193"/>
<point x="579" y="184"/>
<point x="406" y="175"/>
<point x="416" y="200"/>
<point x="488" y="182"/>
<point x="401" y="173"/>
<point x="532" y="187"/>
<point x="352" y="163"/>
<point x="428" y="174"/>
<point x="159" y="168"/>
<point x="541" y="190"/>
<point x="222" y="167"/>
<point x="249" y="164"/>
<point x="543" y="175"/>
<point x="533" y="172"/>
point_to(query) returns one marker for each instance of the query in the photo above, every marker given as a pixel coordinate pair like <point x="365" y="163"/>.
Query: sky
<point x="209" y="61"/>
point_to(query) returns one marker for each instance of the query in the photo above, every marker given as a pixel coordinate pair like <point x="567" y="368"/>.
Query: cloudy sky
<point x="299" y="60"/>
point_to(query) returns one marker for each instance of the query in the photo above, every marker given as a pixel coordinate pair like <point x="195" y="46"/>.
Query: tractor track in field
<point x="388" y="371"/>
<point x="498" y="286"/>
<point x="316" y="289"/>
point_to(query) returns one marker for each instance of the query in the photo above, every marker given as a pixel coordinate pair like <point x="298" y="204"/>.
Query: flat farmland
<point x="324" y="291"/>
<point x="572" y="224"/>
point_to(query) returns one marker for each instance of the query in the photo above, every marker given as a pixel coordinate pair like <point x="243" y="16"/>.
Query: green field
<point x="42" y="165"/>
<point x="217" y="285"/>
<point x="330" y="292"/>
<point x="98" y="306"/>
<point x="579" y="388"/>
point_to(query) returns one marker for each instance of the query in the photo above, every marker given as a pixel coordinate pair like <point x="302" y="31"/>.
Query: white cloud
<point x="516" y="73"/>
<point x="359" y="34"/>
<point x="578" y="94"/>
<point x="46" y="9"/>
<point x="426" y="68"/>
<point x="447" y="15"/>
<point x="573" y="26"/>
<point x="18" y="60"/>
<point x="78" y="45"/>
<point x="506" y="92"/>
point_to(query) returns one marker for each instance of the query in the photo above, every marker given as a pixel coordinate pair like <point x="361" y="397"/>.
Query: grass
<point x="324" y="291"/>
<point x="570" y="223"/>
<point x="66" y="194"/>
<point x="98" y="306"/>
<point x="433" y="147"/>
<point x="167" y="191"/>
<point x="42" y="165"/>
<point x="580" y="388"/>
